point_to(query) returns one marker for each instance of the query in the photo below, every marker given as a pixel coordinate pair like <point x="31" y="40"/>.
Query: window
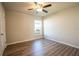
<point x="38" y="26"/>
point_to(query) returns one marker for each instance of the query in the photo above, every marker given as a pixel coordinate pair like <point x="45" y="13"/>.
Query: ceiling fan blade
<point x="30" y="9"/>
<point x="35" y="3"/>
<point x="45" y="11"/>
<point x="47" y="5"/>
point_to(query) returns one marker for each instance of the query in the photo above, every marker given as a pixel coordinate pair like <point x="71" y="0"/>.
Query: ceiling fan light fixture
<point x="39" y="9"/>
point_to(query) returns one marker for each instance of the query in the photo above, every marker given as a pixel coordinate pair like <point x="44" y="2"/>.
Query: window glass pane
<point x="38" y="26"/>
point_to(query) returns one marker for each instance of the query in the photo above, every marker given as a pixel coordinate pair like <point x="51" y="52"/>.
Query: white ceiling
<point x="24" y="6"/>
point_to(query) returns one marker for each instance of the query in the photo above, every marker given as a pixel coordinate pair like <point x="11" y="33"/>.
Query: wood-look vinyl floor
<point x="40" y="47"/>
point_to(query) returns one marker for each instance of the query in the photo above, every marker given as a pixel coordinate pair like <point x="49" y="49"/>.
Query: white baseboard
<point x="47" y="37"/>
<point x="22" y="41"/>
<point x="19" y="41"/>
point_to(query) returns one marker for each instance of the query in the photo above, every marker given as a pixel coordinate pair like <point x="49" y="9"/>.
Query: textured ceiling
<point x="23" y="6"/>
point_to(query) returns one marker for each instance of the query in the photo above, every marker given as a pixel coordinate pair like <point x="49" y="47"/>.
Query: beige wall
<point x="63" y="27"/>
<point x="20" y="27"/>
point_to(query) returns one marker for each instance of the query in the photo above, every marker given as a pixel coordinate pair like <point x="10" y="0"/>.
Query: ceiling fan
<point x="40" y="7"/>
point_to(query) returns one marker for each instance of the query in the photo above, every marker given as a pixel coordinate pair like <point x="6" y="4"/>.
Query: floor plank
<point x="40" y="47"/>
